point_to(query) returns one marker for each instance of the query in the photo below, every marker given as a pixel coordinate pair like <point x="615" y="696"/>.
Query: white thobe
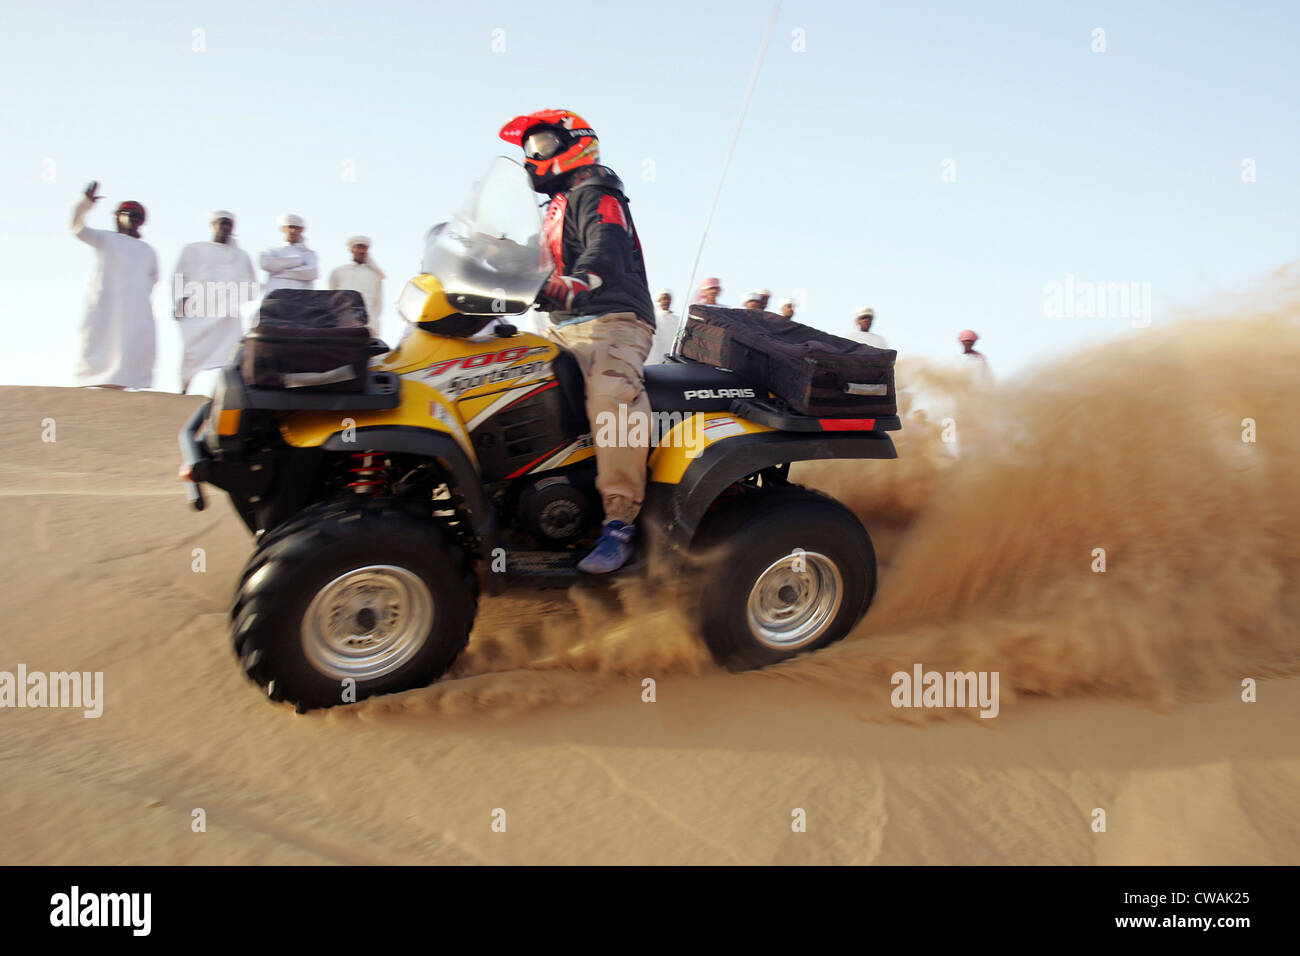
<point x="665" y="331"/>
<point x="118" y="339"/>
<point x="868" y="338"/>
<point x="977" y="367"/>
<point x="367" y="279"/>
<point x="289" y="266"/>
<point x="211" y="282"/>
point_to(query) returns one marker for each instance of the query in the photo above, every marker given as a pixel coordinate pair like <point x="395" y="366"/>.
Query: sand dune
<point x="1119" y="691"/>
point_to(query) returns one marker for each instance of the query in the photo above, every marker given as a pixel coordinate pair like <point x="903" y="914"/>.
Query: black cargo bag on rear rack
<point x="814" y="372"/>
<point x="305" y="338"/>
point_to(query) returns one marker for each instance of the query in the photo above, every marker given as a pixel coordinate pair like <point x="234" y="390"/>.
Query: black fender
<point x="674" y="511"/>
<point x="442" y="448"/>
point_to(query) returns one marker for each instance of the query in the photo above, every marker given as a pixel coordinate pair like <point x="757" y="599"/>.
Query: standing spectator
<point x="665" y="328"/>
<point x="292" y="265"/>
<point x="212" y="281"/>
<point x="786" y="308"/>
<point x="362" y="275"/>
<point x="863" y="319"/>
<point x="753" y="301"/>
<point x="117" y="331"/>
<point x="974" y="362"/>
<point x="710" y="289"/>
<point x="763" y="296"/>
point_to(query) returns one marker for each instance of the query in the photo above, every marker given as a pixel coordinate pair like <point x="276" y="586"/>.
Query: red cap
<point x="966" y="335"/>
<point x="130" y="205"/>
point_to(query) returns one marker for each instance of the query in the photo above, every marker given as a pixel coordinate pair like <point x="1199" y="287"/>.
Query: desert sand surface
<point x="1119" y="690"/>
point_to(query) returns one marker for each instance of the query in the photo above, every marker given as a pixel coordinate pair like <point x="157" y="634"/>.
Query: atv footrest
<point x="555" y="569"/>
<point x="542" y="569"/>
<point x="540" y="562"/>
<point x="774" y="413"/>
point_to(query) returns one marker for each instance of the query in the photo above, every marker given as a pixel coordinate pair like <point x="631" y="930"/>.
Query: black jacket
<point x="589" y="230"/>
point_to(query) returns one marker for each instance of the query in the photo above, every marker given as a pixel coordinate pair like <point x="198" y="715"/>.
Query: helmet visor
<point x="543" y="144"/>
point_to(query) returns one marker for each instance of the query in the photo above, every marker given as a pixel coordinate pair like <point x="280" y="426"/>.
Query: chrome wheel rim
<point x="367" y="623"/>
<point x="795" y="599"/>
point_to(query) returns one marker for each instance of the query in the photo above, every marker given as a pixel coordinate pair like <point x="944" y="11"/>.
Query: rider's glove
<point x="561" y="292"/>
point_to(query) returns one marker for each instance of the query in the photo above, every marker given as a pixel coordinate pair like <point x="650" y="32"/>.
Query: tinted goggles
<point x="542" y="144"/>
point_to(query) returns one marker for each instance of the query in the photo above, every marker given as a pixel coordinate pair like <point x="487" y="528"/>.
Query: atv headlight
<point x="422" y="300"/>
<point x="411" y="302"/>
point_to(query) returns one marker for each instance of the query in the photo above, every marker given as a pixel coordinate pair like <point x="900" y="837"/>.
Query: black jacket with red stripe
<point x="589" y="230"/>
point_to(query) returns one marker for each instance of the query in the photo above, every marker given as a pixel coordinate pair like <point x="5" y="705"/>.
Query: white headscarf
<point x="370" y="262"/>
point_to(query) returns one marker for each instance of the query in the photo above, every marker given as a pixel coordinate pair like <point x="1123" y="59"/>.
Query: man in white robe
<point x="212" y="281"/>
<point x="665" y="328"/>
<point x="363" y="275"/>
<point x="118" y="338"/>
<point x="292" y="265"/>
<point x="973" y="363"/>
<point x="862" y="319"/>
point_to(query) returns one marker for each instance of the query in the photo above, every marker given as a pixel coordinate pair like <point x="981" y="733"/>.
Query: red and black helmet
<point x="131" y="207"/>
<point x="555" y="143"/>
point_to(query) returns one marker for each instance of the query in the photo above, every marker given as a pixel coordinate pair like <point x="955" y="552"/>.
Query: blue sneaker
<point x="612" y="549"/>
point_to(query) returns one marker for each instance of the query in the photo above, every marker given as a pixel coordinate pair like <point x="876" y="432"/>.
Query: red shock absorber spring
<point x="368" y="473"/>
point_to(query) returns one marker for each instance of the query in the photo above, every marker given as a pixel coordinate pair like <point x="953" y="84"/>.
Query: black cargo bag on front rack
<point x="814" y="372"/>
<point x="305" y="338"/>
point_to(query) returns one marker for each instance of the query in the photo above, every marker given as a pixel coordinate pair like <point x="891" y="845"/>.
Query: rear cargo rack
<point x="774" y="413"/>
<point x="382" y="391"/>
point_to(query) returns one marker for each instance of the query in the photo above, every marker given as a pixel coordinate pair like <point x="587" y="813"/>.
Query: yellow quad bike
<point x="467" y="465"/>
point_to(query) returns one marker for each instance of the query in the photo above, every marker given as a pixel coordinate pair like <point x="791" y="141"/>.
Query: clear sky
<point x="1115" y="166"/>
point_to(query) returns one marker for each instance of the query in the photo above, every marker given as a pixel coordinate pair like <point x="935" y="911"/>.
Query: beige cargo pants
<point x="611" y="351"/>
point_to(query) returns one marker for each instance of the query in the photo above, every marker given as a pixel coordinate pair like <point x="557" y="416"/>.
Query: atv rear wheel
<point x="364" y="599"/>
<point x="787" y="570"/>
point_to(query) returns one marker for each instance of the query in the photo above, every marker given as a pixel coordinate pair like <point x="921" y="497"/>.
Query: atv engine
<point x="557" y="510"/>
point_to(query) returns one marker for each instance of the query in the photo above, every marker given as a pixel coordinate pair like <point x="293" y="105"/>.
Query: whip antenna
<point x="717" y="193"/>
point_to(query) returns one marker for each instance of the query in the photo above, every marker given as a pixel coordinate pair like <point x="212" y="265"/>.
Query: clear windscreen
<point x="490" y="258"/>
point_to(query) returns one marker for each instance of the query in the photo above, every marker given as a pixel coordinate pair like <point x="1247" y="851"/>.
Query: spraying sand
<point x="1120" y="691"/>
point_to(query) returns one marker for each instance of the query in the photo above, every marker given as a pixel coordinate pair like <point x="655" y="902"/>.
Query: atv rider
<point x="600" y="306"/>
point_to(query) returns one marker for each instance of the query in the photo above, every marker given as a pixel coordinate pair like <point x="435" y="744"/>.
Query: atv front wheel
<point x="362" y="599"/>
<point x="787" y="570"/>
